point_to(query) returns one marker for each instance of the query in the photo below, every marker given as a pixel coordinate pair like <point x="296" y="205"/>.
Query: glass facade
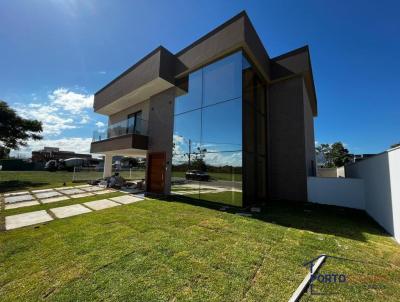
<point x="220" y="134"/>
<point x="207" y="152"/>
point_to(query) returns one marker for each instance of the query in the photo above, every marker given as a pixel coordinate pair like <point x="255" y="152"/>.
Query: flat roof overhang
<point x="160" y="69"/>
<point x="128" y="143"/>
<point x="235" y="34"/>
<point x="294" y="63"/>
<point x="151" y="75"/>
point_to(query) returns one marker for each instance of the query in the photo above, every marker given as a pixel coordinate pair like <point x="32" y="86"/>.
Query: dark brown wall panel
<point x="287" y="142"/>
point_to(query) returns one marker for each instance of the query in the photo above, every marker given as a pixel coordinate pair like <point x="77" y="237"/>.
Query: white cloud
<point x="71" y="101"/>
<point x="65" y="109"/>
<point x="85" y="119"/>
<point x="100" y="124"/>
<point x="76" y="144"/>
<point x="53" y="121"/>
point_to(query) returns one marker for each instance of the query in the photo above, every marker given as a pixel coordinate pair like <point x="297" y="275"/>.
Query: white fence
<point x="331" y="172"/>
<point x="344" y="192"/>
<point x="381" y="175"/>
<point x="374" y="186"/>
<point x="86" y="174"/>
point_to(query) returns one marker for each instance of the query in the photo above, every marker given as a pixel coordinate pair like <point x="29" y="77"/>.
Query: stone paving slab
<point x="16" y="193"/>
<point x="21" y="204"/>
<point x="71" y="191"/>
<point x="103" y="192"/>
<point x="82" y="186"/>
<point x="101" y="204"/>
<point x="92" y="188"/>
<point x="44" y="190"/>
<point x="126" y="199"/>
<point x="129" y="190"/>
<point x="18" y="198"/>
<point x="81" y="195"/>
<point x="21" y="220"/>
<point x="63" y="188"/>
<point x="54" y="199"/>
<point x="72" y="210"/>
<point x="47" y="194"/>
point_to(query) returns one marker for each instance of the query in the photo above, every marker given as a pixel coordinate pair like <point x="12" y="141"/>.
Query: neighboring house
<point x="220" y="106"/>
<point x="49" y="153"/>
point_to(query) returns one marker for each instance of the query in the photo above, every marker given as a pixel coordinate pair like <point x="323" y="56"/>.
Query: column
<point x="107" y="165"/>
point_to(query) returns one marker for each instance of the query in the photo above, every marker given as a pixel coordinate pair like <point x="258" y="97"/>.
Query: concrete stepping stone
<point x="72" y="210"/>
<point x="81" y="195"/>
<point x="101" y="204"/>
<point x="47" y="194"/>
<point x="103" y="192"/>
<point x="54" y="199"/>
<point x="16" y="193"/>
<point x="18" y="198"/>
<point x="43" y="190"/>
<point x="126" y="199"/>
<point x="21" y="204"/>
<point x="71" y="191"/>
<point x="92" y="189"/>
<point x="63" y="188"/>
<point x="31" y="218"/>
<point x="82" y="186"/>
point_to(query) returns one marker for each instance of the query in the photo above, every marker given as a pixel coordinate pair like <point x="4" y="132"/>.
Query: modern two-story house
<point x="219" y="120"/>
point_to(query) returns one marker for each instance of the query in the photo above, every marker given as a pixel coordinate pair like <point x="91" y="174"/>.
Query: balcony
<point x="127" y="137"/>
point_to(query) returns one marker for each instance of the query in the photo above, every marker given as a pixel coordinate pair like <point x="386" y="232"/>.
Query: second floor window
<point x="134" y="122"/>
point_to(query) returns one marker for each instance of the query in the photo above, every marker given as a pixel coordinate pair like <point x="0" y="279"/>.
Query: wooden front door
<point x="156" y="172"/>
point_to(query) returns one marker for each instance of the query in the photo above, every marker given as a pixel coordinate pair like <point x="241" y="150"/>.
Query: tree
<point x="340" y="155"/>
<point x="335" y="155"/>
<point x="15" y="130"/>
<point x="4" y="152"/>
<point x="324" y="150"/>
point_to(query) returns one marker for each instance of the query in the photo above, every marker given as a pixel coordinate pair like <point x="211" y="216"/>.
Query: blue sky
<point x="54" y="52"/>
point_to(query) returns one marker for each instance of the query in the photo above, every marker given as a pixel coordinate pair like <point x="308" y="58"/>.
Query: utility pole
<point x="190" y="152"/>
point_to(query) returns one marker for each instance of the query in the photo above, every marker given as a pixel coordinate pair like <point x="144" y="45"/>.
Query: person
<point x="112" y="180"/>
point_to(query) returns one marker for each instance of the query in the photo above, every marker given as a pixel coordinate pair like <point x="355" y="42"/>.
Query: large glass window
<point x="222" y="80"/>
<point x="222" y="126"/>
<point x="192" y="99"/>
<point x="207" y="155"/>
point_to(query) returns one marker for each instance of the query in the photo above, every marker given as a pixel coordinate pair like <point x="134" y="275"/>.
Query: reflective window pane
<point x="187" y="132"/>
<point x="222" y="80"/>
<point x="224" y="174"/>
<point x="192" y="99"/>
<point x="222" y="126"/>
<point x="182" y="182"/>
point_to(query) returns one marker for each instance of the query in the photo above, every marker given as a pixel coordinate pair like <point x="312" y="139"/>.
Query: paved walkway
<point x="35" y="197"/>
<point x="36" y="217"/>
<point x="45" y="196"/>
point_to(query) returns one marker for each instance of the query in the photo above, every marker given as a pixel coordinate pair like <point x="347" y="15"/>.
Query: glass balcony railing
<point x="128" y="126"/>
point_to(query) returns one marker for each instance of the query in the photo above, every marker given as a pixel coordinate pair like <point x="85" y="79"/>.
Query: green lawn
<point x="31" y="180"/>
<point x="228" y="198"/>
<point x="217" y="176"/>
<point x="174" y="251"/>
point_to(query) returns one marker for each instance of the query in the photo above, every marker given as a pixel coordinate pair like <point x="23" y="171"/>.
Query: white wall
<point x="394" y="167"/>
<point x="381" y="174"/>
<point x="331" y="172"/>
<point x="344" y="192"/>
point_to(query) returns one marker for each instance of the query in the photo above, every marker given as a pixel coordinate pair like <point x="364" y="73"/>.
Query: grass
<point x="228" y="198"/>
<point x="174" y="251"/>
<point x="31" y="180"/>
<point x="213" y="175"/>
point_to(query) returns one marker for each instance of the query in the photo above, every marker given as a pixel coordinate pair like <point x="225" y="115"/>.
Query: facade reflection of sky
<point x="210" y="114"/>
